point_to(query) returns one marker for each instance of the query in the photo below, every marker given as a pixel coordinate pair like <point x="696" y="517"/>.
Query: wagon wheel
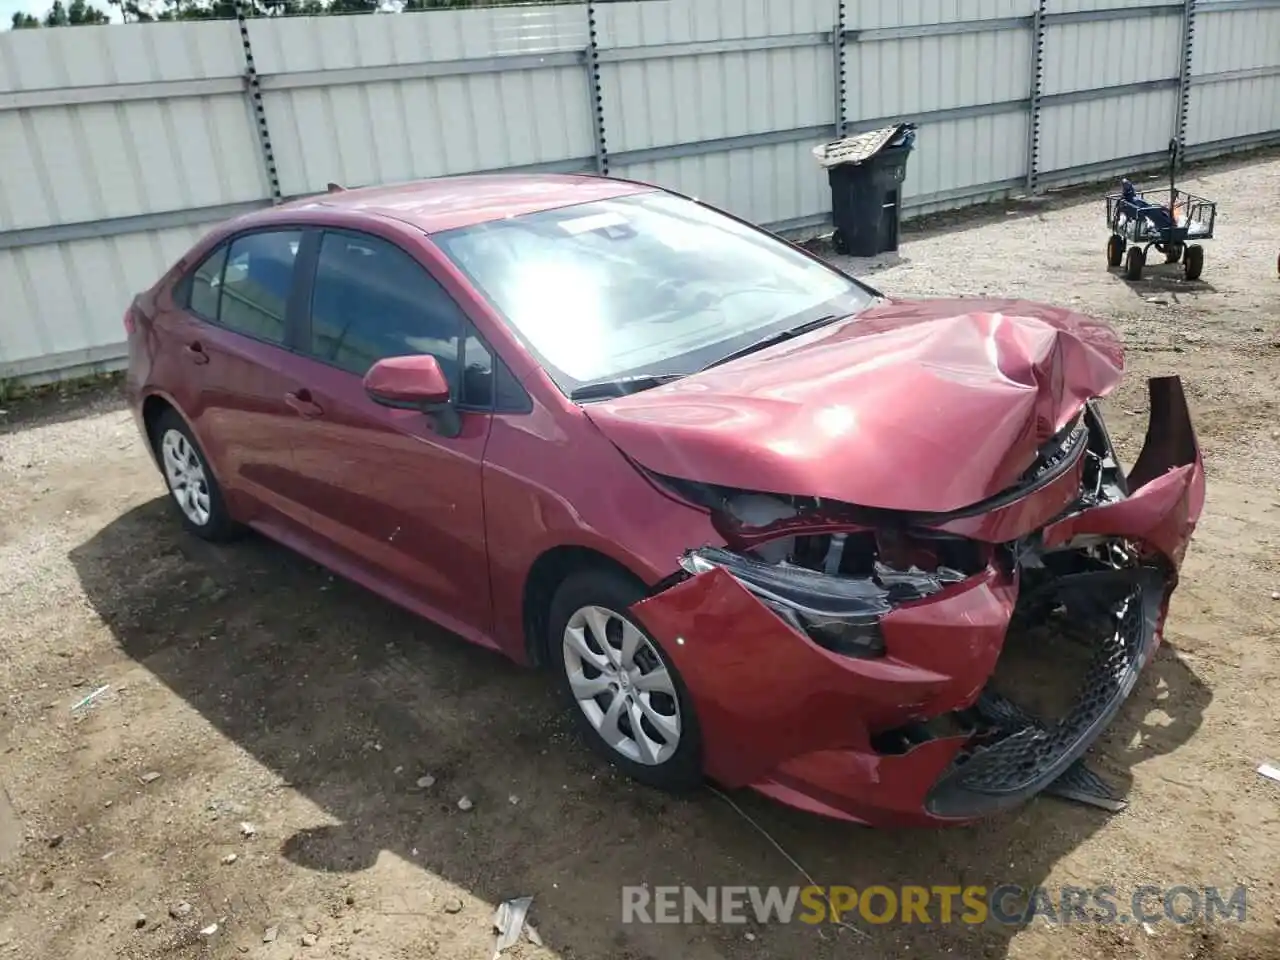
<point x="1115" y="250"/>
<point x="1134" y="263"/>
<point x="1193" y="263"/>
<point x="1173" y="253"/>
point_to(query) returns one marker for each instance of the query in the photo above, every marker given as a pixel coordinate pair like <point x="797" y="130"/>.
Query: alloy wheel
<point x="622" y="685"/>
<point x="185" y="473"/>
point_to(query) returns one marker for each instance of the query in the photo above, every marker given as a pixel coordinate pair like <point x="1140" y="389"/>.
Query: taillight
<point x="130" y="324"/>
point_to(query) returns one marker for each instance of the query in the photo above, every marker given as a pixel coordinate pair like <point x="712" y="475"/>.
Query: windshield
<point x="643" y="285"/>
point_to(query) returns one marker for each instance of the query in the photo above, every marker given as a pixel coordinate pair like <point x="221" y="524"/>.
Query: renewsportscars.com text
<point x="1004" y="904"/>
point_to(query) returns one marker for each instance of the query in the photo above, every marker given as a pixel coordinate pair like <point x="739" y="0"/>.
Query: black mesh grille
<point x="1017" y="755"/>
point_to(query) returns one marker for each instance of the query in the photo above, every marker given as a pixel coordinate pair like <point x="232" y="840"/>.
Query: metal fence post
<point x="1184" y="77"/>
<point x="254" y="89"/>
<point x="841" y="85"/>
<point x="596" y="92"/>
<point x="1037" y="92"/>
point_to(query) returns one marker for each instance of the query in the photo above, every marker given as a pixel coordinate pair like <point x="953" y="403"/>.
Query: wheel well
<point x="152" y="409"/>
<point x="545" y="576"/>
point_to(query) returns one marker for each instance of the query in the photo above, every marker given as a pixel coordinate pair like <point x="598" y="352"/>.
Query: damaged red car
<point x="763" y="524"/>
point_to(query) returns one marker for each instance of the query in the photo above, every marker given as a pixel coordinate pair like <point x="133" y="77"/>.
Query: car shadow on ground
<point x="332" y="689"/>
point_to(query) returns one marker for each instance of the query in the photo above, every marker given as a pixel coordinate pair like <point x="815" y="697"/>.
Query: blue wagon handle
<point x="1139" y="221"/>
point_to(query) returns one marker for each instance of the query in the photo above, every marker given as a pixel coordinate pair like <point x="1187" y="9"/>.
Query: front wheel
<point x="1134" y="263"/>
<point x="1193" y="262"/>
<point x="627" y="698"/>
<point x="192" y="486"/>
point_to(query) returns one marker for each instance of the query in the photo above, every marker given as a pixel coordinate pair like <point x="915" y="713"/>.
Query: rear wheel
<point x="627" y="699"/>
<point x="1115" y="250"/>
<point x="1134" y="263"/>
<point x="191" y="483"/>
<point x="1193" y="262"/>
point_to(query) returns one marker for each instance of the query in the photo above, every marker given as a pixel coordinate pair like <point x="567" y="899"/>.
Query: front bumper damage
<point x="933" y="731"/>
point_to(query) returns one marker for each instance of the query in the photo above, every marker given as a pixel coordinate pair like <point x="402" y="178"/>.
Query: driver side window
<point x="371" y="300"/>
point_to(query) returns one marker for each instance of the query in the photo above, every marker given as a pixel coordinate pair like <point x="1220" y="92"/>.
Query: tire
<point x="1173" y="253"/>
<point x="1193" y="262"/>
<point x="193" y="490"/>
<point x="586" y="600"/>
<point x="1115" y="250"/>
<point x="1134" y="263"/>
<point x="839" y="244"/>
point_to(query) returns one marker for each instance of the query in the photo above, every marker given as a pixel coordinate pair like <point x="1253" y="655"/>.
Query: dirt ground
<point x="247" y="686"/>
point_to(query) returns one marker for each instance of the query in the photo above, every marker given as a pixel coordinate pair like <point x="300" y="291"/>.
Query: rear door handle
<point x="195" y="352"/>
<point x="302" y="404"/>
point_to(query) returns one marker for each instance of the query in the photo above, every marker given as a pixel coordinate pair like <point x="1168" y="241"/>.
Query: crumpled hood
<point x="928" y="405"/>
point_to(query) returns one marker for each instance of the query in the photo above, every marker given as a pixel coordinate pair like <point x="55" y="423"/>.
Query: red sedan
<point x="763" y="525"/>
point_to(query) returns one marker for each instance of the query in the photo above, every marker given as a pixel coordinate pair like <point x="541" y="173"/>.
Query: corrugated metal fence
<point x="120" y="144"/>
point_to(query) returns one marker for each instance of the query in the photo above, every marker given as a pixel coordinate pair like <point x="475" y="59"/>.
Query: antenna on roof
<point x="335" y="188"/>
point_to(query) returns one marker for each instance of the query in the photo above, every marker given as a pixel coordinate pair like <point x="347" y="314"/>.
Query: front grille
<point x="1015" y="754"/>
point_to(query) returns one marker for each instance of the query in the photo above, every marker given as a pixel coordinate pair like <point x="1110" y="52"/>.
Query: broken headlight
<point x="840" y="613"/>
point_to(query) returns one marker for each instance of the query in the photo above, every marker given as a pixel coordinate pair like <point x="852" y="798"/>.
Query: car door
<point x="233" y="336"/>
<point x="392" y="496"/>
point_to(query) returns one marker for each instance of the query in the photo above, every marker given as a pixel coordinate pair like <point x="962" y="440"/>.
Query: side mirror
<point x="414" y="383"/>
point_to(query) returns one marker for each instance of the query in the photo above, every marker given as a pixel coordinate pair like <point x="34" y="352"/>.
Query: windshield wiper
<point x="781" y="336"/>
<point x="622" y="386"/>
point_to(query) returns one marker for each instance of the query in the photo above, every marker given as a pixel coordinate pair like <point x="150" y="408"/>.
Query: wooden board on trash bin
<point x="857" y="148"/>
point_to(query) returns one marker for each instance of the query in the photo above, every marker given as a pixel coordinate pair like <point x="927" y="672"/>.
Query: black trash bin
<point x="866" y="173"/>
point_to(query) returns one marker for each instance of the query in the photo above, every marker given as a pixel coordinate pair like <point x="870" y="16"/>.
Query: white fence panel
<point x="1078" y="6"/>
<point x="65" y="302"/>
<point x="891" y="79"/>
<point x="102" y="128"/>
<point x="953" y="157"/>
<point x="91" y="119"/>
<point x="673" y="75"/>
<point x="1235" y="74"/>
<point x="1105" y="135"/>
<point x="1111" y="53"/>
<point x="879" y="14"/>
<point x="1086" y="131"/>
<point x="718" y="95"/>
<point x="936" y="79"/>
<point x="379" y="99"/>
<point x="768" y="184"/>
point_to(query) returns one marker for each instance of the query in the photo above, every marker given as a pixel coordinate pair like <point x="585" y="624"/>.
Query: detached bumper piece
<point x="1014" y="754"/>
<point x="1077" y="783"/>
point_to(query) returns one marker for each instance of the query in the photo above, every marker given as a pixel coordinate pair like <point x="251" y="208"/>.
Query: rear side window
<point x="204" y="285"/>
<point x="371" y="300"/>
<point x="256" y="282"/>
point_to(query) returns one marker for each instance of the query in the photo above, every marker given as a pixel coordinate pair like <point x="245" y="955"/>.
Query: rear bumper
<point x="800" y="723"/>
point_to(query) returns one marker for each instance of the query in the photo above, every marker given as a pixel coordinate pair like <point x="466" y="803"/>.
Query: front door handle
<point x="195" y="352"/>
<point x="303" y="405"/>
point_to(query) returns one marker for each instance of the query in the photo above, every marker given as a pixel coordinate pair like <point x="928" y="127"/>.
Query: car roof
<point x="446" y="203"/>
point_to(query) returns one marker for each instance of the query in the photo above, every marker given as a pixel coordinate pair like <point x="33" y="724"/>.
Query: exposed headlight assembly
<point x="840" y="613"/>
